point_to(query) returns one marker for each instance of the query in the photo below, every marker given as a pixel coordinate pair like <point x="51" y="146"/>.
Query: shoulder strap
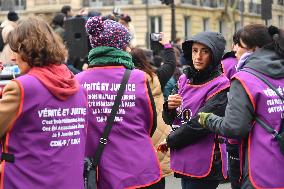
<point x="4" y="155"/>
<point x="110" y="120"/>
<point x="263" y="124"/>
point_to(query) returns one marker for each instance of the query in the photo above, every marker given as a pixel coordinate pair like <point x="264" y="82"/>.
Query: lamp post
<point x="242" y="12"/>
<point x="173" y="17"/>
<point x="173" y="21"/>
<point x="148" y="23"/>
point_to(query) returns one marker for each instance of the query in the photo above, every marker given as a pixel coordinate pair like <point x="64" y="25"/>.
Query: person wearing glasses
<point x="198" y="157"/>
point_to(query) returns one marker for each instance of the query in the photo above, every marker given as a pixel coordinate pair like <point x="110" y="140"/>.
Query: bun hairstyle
<point x="273" y="30"/>
<point x="278" y="40"/>
<point x="107" y="33"/>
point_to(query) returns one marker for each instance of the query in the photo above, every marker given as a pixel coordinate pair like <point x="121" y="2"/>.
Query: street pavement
<point x="174" y="183"/>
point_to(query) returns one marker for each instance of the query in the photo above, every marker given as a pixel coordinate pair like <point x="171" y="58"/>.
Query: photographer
<point x="160" y="45"/>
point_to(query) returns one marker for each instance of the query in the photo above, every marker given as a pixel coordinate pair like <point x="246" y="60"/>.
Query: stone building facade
<point x="191" y="16"/>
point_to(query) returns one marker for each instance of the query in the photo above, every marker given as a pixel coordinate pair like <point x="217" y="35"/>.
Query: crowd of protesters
<point x="216" y="119"/>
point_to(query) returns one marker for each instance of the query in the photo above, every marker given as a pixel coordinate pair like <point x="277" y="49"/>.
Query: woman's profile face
<point x="241" y="48"/>
<point x="200" y="56"/>
<point x="23" y="66"/>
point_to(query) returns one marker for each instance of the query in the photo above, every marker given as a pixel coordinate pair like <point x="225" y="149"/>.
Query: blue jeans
<point x="198" y="184"/>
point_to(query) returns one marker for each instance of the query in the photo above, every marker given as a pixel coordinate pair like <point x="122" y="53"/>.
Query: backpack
<point x="2" y="44"/>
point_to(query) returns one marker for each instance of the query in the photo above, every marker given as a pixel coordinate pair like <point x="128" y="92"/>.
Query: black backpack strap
<point x="4" y="155"/>
<point x="266" y="127"/>
<point x="262" y="123"/>
<point x="110" y="120"/>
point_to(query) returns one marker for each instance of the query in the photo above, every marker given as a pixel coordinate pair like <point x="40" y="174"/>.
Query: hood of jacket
<point x="58" y="79"/>
<point x="213" y="40"/>
<point x="267" y="62"/>
<point x="216" y="43"/>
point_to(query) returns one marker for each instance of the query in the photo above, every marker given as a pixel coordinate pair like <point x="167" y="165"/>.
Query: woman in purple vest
<point x="197" y="156"/>
<point x="229" y="60"/>
<point x="43" y="114"/>
<point x="263" y="163"/>
<point x="129" y="159"/>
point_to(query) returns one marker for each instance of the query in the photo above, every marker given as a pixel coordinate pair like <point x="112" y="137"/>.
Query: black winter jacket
<point x="192" y="131"/>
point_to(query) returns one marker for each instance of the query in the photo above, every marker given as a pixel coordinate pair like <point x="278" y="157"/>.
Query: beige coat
<point x="163" y="129"/>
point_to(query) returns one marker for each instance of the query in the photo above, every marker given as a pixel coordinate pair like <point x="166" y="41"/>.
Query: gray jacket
<point x="239" y="112"/>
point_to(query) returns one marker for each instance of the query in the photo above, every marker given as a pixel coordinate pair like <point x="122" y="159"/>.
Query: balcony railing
<point x="191" y="2"/>
<point x="151" y="2"/>
<point x="100" y="3"/>
<point x="45" y="2"/>
<point x="208" y="3"/>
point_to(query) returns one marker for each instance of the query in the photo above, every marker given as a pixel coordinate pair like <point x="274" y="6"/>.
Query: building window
<point x="191" y="2"/>
<point x="280" y="2"/>
<point x="208" y="3"/>
<point x="12" y="5"/>
<point x="222" y="27"/>
<point x="220" y="3"/>
<point x="19" y="3"/>
<point x="122" y="2"/>
<point x="95" y="3"/>
<point x="280" y="21"/>
<point x="155" y="24"/>
<point x="187" y="27"/>
<point x="237" y="26"/>
<point x="206" y="24"/>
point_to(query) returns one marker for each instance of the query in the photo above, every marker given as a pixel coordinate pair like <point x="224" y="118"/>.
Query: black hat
<point x="12" y="16"/>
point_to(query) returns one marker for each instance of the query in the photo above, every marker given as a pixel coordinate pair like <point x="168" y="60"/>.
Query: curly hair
<point x="37" y="44"/>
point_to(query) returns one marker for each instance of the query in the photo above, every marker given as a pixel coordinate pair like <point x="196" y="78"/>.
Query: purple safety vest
<point x="129" y="159"/>
<point x="229" y="66"/>
<point x="265" y="161"/>
<point x="195" y="160"/>
<point x="47" y="139"/>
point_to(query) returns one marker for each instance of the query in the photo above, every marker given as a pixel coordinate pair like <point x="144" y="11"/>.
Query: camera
<point x="155" y="45"/>
<point x="156" y="36"/>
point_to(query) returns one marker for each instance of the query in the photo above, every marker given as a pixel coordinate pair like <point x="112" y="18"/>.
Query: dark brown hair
<point x="278" y="40"/>
<point x="34" y="40"/>
<point x="140" y="61"/>
<point x="255" y="35"/>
